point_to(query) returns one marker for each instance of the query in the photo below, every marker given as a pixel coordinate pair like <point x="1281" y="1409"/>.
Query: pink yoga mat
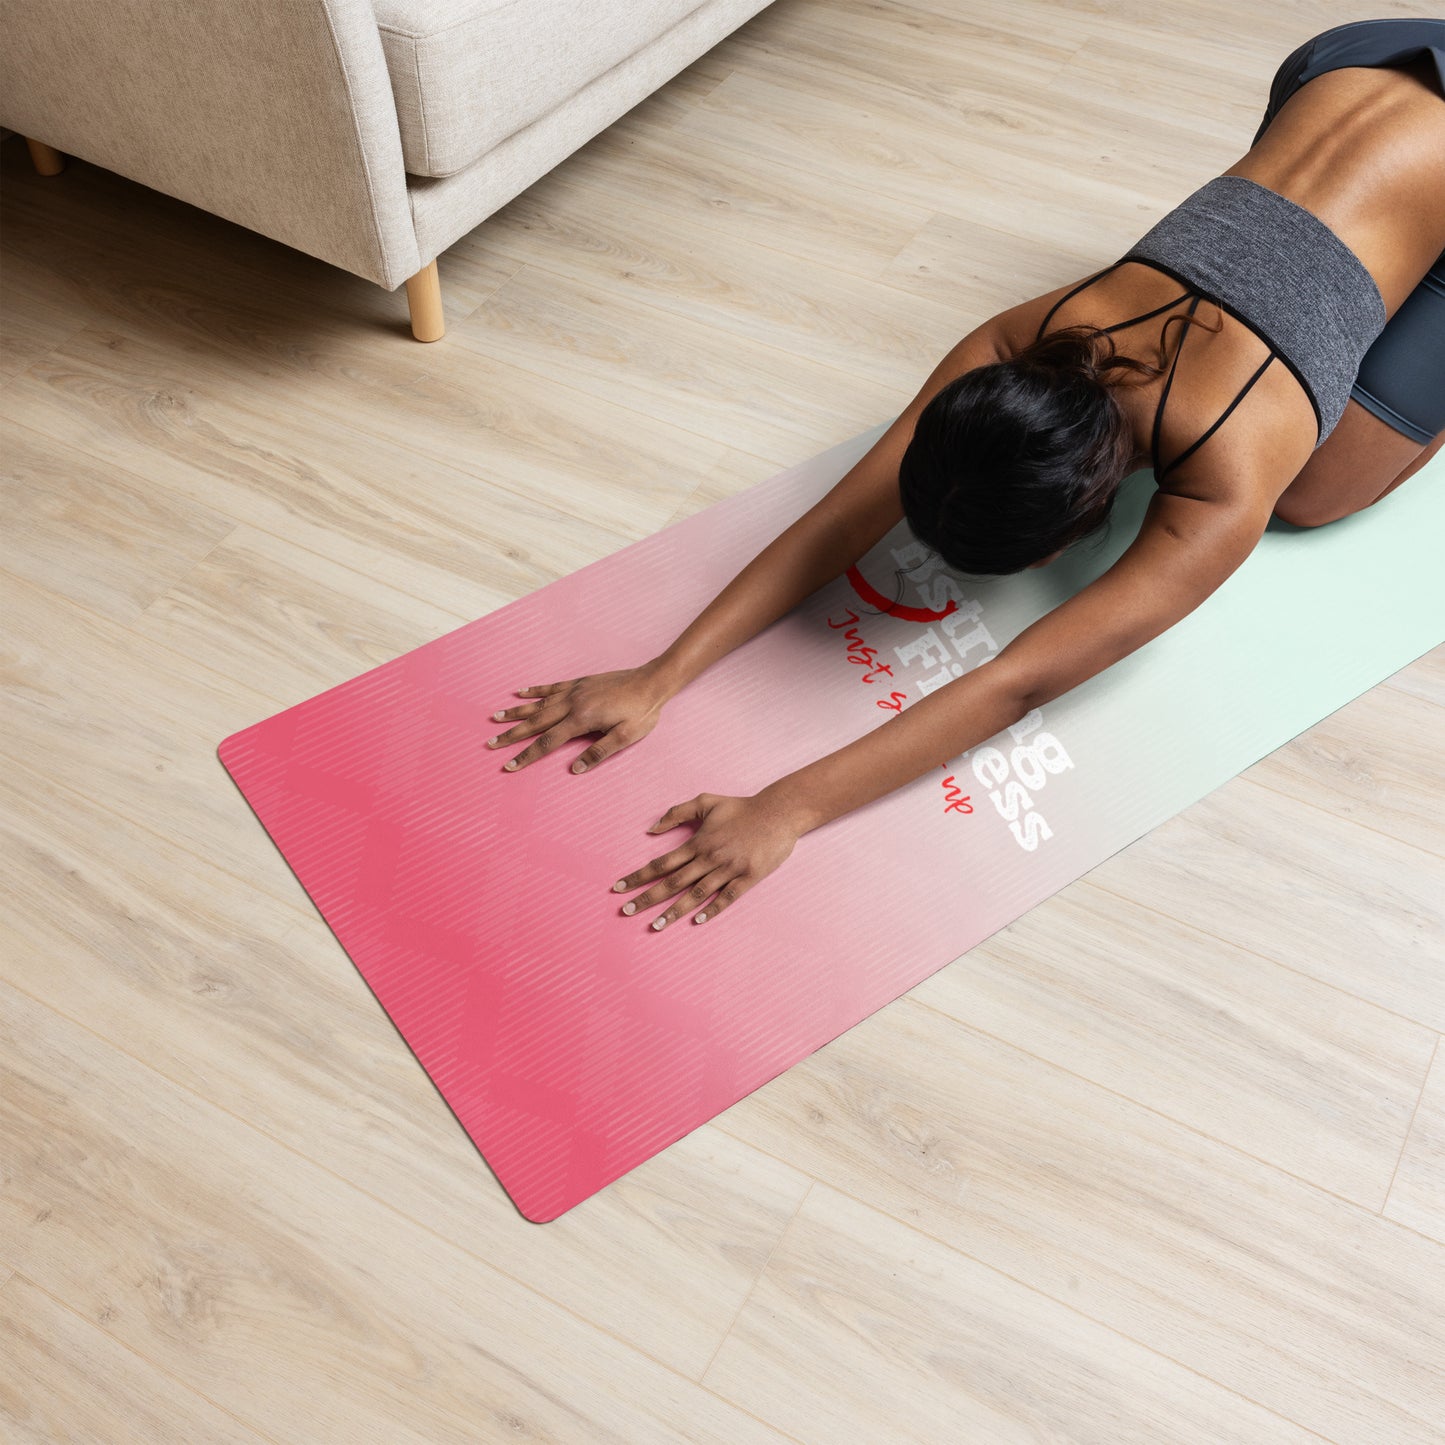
<point x="572" y="1042"/>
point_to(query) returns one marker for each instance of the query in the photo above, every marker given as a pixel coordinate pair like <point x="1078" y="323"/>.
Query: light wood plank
<point x="380" y="475"/>
<point x="1260" y="38"/>
<point x="66" y="1379"/>
<point x="1377" y="761"/>
<point x="1317" y="1309"/>
<point x="1293" y="881"/>
<point x="1210" y="93"/>
<point x="100" y="535"/>
<point x="743" y="288"/>
<point x="32" y="320"/>
<point x="227" y="1261"/>
<point x="1228" y="1042"/>
<point x="905" y="46"/>
<point x="950" y="1350"/>
<point x="840" y="226"/>
<point x="94" y="706"/>
<point x="923" y="157"/>
<point x="1425" y="677"/>
<point x="261" y="607"/>
<point x="1417" y="1197"/>
<point x="673" y="367"/>
<point x="963" y="263"/>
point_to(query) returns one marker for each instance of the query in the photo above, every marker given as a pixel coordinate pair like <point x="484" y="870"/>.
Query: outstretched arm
<point x="1185" y="549"/>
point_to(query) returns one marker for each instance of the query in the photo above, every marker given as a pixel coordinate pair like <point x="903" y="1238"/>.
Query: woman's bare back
<point x="1363" y="149"/>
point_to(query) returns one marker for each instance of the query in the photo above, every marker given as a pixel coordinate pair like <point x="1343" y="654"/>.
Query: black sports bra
<point x="1198" y="296"/>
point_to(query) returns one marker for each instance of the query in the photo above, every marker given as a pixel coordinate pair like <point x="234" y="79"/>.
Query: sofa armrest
<point x="276" y="114"/>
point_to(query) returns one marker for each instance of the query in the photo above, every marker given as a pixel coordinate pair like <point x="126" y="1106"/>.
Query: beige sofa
<point x="370" y="133"/>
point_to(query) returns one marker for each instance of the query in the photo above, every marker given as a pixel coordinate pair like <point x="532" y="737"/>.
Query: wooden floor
<point x="1164" y="1161"/>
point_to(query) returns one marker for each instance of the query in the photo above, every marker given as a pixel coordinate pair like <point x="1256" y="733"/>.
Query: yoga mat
<point x="572" y="1042"/>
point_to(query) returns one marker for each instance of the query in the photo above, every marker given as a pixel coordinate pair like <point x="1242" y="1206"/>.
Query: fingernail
<point x="658" y="924"/>
<point x="629" y="907"/>
<point x="507" y="767"/>
<point x="496" y="717"/>
<point x="620" y="886"/>
<point x="701" y="918"/>
<point x="579" y="766"/>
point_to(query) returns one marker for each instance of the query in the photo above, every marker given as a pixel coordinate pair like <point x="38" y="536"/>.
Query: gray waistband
<point x="1280" y="270"/>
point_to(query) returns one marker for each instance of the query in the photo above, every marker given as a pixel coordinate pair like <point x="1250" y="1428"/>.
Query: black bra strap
<point x="1224" y="416"/>
<point x="1068" y="296"/>
<point x="1118" y="325"/>
<point x="1164" y="395"/>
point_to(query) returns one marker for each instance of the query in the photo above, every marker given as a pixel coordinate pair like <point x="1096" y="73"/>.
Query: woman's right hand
<point x="624" y="706"/>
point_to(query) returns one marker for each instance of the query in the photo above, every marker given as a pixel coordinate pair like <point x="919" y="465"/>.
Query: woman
<point x="1308" y="282"/>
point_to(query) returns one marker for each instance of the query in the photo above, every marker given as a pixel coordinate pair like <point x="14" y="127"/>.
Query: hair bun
<point x="1075" y="349"/>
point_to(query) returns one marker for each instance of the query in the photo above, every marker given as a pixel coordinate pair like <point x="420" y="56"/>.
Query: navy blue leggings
<point x="1402" y="376"/>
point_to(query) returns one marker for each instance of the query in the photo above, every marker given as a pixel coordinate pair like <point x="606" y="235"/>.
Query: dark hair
<point x="1014" y="460"/>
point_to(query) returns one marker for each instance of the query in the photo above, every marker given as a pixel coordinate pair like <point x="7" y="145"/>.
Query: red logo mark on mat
<point x="865" y="589"/>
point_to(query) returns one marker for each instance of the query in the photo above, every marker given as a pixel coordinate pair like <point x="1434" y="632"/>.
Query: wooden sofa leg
<point x="48" y="161"/>
<point x="424" y="296"/>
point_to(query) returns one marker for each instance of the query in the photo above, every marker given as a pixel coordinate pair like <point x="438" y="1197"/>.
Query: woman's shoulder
<point x="1019" y="326"/>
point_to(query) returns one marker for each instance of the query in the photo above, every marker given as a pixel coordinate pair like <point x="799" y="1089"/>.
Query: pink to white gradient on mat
<point x="574" y="1043"/>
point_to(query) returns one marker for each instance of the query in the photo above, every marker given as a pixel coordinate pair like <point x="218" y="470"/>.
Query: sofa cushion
<point x="468" y="73"/>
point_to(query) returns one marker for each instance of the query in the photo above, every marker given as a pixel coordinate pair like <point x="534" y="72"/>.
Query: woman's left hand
<point x="739" y="841"/>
